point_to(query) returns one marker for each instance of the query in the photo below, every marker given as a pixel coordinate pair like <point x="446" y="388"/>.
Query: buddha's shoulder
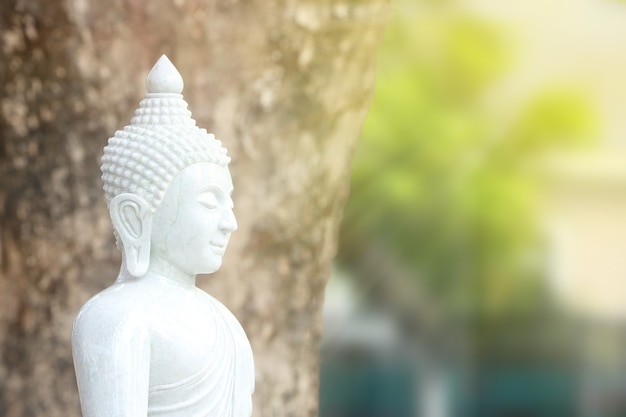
<point x="219" y="306"/>
<point x="116" y="306"/>
<point x="208" y="299"/>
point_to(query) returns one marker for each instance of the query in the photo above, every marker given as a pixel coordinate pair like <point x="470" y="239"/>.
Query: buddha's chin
<point x="213" y="265"/>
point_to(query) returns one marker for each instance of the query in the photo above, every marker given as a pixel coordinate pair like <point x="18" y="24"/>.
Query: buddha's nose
<point x="228" y="223"/>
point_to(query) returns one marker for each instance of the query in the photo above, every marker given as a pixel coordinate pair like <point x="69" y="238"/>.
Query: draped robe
<point x="163" y="350"/>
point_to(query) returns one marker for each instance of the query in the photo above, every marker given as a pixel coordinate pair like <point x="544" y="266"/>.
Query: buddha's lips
<point x="218" y="247"/>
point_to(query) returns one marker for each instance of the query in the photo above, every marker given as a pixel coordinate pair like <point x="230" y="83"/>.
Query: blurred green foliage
<point x="442" y="185"/>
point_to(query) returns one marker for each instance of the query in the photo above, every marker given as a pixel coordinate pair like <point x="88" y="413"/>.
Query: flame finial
<point x="164" y="78"/>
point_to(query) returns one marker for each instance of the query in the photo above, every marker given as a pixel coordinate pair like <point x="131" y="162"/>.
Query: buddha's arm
<point x="112" y="361"/>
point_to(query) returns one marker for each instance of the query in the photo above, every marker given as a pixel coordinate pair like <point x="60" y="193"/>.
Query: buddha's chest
<point x="194" y="342"/>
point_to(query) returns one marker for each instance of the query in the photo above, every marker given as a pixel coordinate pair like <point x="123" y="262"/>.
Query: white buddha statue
<point x="153" y="344"/>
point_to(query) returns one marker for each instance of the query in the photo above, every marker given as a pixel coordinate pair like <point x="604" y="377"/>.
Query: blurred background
<point x="482" y="259"/>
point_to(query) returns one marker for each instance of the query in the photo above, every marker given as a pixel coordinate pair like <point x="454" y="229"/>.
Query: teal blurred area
<point x="482" y="259"/>
<point x="367" y="390"/>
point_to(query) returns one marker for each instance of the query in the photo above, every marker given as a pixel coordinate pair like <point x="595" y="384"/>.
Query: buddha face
<point x="192" y="226"/>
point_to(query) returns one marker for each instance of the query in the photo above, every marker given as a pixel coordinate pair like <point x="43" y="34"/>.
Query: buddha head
<point x="167" y="184"/>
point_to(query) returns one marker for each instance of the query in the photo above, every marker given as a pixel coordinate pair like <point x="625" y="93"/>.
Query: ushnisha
<point x="153" y="344"/>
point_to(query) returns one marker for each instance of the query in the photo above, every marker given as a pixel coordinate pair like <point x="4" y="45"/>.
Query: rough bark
<point x="284" y="84"/>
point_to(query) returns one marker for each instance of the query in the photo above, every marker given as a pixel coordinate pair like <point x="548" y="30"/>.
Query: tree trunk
<point x="284" y="84"/>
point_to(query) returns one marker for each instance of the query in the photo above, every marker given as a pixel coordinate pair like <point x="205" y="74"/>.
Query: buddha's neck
<point x="160" y="270"/>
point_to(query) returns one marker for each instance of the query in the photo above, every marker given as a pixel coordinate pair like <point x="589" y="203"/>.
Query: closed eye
<point x="208" y="200"/>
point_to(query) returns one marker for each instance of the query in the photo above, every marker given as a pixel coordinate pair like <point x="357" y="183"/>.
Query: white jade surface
<point x="153" y="344"/>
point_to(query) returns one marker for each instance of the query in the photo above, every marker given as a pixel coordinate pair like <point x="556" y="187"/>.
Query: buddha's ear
<point x="132" y="219"/>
